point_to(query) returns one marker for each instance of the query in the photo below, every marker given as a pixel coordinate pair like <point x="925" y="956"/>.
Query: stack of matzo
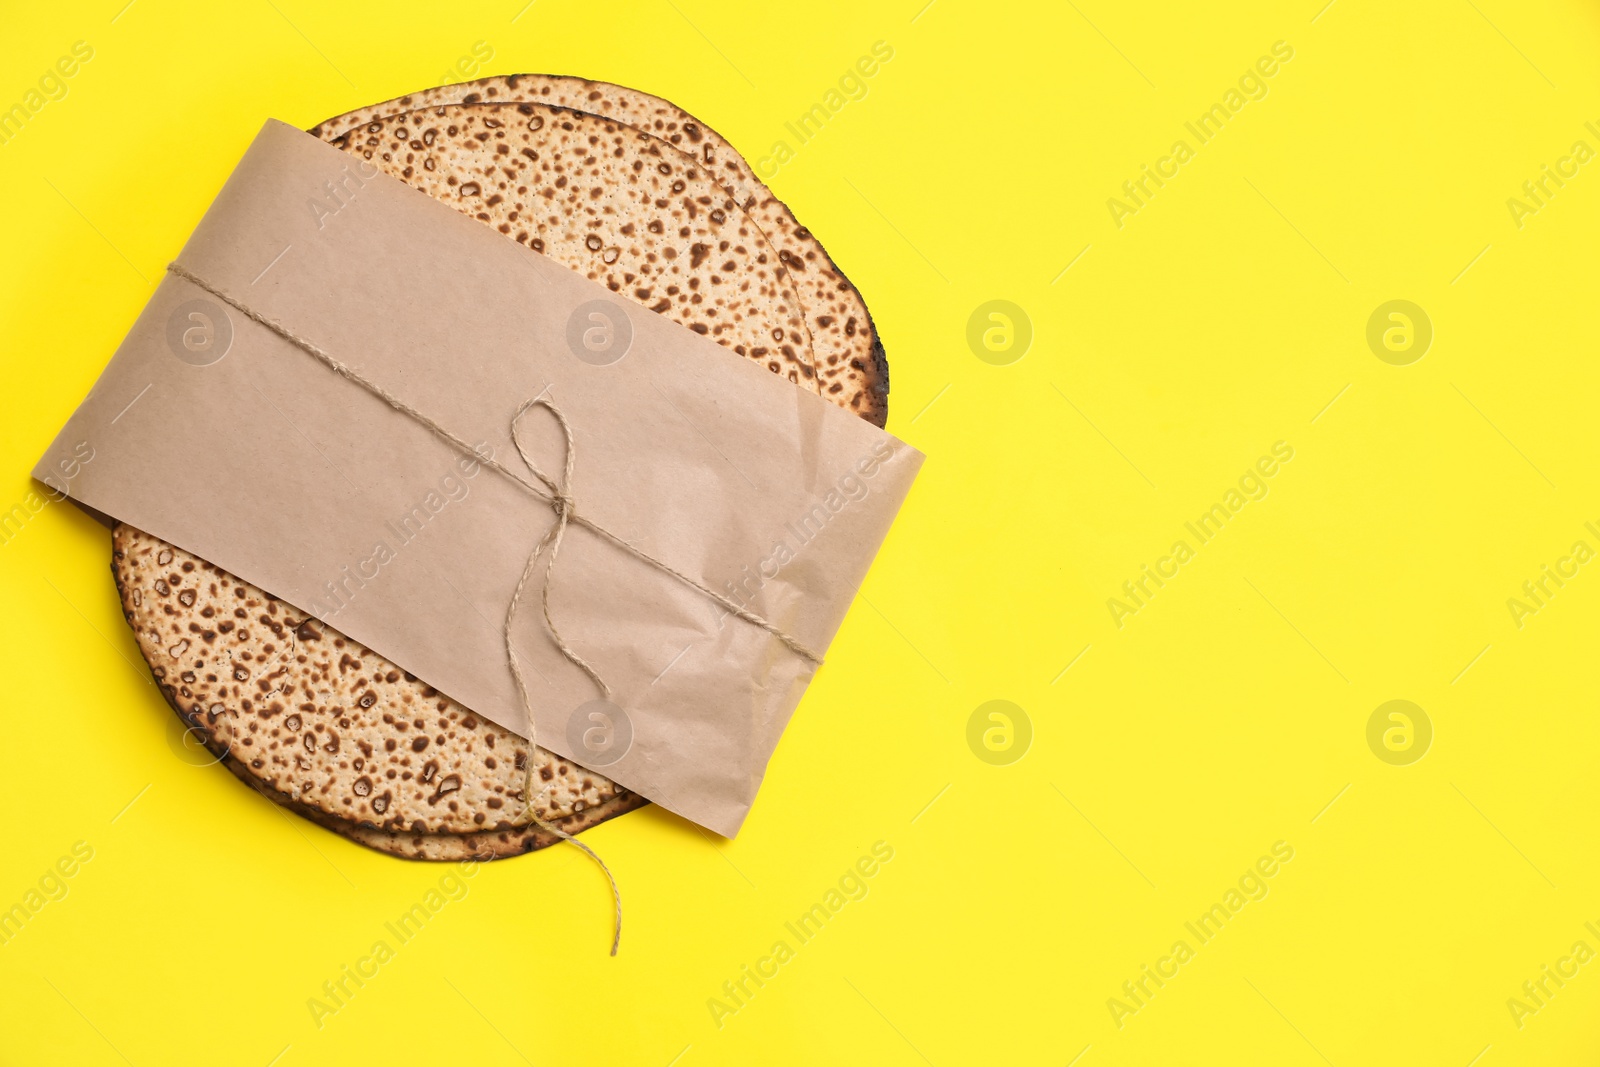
<point x="632" y="193"/>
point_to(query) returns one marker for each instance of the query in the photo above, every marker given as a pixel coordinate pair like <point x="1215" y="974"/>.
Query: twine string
<point x="561" y="501"/>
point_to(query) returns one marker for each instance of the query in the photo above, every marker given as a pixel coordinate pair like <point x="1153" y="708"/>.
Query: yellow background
<point x="1225" y="716"/>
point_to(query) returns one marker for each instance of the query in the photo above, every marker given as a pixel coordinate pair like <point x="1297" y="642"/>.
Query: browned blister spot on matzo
<point x="844" y="341"/>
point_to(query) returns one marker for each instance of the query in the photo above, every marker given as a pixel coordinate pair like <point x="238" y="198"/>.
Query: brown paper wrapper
<point x="214" y="433"/>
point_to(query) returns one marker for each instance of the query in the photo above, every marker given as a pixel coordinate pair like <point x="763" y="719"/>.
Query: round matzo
<point x="464" y="800"/>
